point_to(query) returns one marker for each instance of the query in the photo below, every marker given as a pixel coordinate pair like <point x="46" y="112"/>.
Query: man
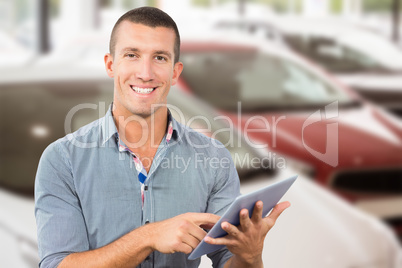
<point x="106" y="196"/>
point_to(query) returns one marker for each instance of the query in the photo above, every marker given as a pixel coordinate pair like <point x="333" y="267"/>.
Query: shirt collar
<point x="109" y="128"/>
<point x="170" y="129"/>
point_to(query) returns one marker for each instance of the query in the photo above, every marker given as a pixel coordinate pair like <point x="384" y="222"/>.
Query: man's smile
<point x="143" y="90"/>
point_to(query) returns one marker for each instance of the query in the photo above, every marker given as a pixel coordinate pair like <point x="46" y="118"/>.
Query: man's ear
<point x="109" y="64"/>
<point x="177" y="69"/>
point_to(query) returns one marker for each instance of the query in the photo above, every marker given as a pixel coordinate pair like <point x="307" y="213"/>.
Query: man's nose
<point x="145" y="71"/>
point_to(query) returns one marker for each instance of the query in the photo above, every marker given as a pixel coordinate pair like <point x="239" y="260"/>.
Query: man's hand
<point x="181" y="233"/>
<point x="246" y="241"/>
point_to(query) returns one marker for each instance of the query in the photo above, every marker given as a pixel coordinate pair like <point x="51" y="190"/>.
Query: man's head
<point x="151" y="17"/>
<point x="144" y="63"/>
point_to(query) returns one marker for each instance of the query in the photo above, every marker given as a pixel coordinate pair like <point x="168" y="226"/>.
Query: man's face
<point x="142" y="67"/>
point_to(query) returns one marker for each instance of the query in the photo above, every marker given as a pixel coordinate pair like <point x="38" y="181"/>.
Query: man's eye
<point x="160" y="58"/>
<point x="131" y="55"/>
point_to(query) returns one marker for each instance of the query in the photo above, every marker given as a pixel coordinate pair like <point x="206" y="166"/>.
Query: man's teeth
<point x="143" y="90"/>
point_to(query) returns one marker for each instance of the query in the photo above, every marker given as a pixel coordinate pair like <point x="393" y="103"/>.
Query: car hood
<point x="350" y="137"/>
<point x="373" y="81"/>
<point x="321" y="230"/>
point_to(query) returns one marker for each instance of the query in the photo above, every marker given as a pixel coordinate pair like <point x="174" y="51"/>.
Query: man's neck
<point x="142" y="134"/>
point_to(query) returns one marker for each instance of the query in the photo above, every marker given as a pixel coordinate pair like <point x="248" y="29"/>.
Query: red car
<point x="287" y="105"/>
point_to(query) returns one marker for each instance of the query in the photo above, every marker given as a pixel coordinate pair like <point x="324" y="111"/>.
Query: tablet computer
<point x="269" y="195"/>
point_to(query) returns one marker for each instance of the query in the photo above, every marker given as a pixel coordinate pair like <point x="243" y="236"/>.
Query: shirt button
<point x="146" y="222"/>
<point x="145" y="187"/>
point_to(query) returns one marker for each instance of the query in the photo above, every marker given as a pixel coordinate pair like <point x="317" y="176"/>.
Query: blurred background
<point x="308" y="87"/>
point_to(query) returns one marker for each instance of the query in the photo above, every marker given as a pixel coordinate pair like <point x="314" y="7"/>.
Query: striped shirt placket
<point x="142" y="173"/>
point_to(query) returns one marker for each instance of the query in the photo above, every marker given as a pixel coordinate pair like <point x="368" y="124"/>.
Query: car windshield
<point x="390" y="56"/>
<point x="34" y="115"/>
<point x="259" y="81"/>
<point x="349" y="53"/>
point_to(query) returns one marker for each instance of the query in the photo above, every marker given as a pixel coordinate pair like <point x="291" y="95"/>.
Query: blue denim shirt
<point x="87" y="193"/>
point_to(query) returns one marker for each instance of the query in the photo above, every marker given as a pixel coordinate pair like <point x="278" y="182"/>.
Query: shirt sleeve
<point x="59" y="218"/>
<point x="226" y="189"/>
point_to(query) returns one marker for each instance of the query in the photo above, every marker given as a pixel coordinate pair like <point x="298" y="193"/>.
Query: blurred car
<point x="360" y="58"/>
<point x="40" y="104"/>
<point x="321" y="230"/>
<point x="254" y="27"/>
<point x="280" y="101"/>
<point x="252" y="19"/>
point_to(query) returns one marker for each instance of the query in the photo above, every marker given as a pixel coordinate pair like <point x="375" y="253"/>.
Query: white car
<point x="358" y="57"/>
<point x="320" y="230"/>
<point x="252" y="19"/>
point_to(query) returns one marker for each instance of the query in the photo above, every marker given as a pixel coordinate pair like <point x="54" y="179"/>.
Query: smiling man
<point x="115" y="204"/>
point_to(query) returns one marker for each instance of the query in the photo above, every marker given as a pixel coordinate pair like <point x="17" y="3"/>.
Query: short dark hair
<point x="148" y="16"/>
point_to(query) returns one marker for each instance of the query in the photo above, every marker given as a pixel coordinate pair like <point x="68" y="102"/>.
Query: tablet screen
<point x="269" y="195"/>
